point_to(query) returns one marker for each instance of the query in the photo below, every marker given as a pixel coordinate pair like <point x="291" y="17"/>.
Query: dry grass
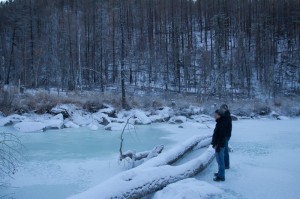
<point x="41" y="101"/>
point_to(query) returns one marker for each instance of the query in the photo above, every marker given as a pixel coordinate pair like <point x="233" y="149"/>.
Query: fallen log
<point x="142" y="155"/>
<point x="173" y="155"/>
<point x="139" y="182"/>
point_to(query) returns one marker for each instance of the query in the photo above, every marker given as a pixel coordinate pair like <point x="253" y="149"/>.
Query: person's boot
<point x="216" y="174"/>
<point x="219" y="179"/>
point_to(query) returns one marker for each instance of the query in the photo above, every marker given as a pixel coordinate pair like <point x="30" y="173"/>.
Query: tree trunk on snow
<point x="142" y="155"/>
<point x="171" y="156"/>
<point x="137" y="183"/>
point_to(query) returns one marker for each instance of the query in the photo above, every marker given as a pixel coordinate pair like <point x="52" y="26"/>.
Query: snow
<point x="101" y="118"/>
<point x="93" y="126"/>
<point x="56" y="122"/>
<point x="108" y="111"/>
<point x="70" y="124"/>
<point x="203" y="118"/>
<point x="162" y="115"/>
<point x="178" y="119"/>
<point x="5" y="121"/>
<point x="81" y="119"/>
<point x="168" y="156"/>
<point x="30" y="126"/>
<point x="118" y="126"/>
<point x="141" y="117"/>
<point x="282" y="118"/>
<point x="188" y="189"/>
<point x="265" y="159"/>
<point x="187" y="125"/>
<point x="17" y="118"/>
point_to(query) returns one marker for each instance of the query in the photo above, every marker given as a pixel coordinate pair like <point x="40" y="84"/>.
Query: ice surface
<point x="61" y="163"/>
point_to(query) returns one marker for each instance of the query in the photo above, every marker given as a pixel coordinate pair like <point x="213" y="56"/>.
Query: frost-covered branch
<point x="10" y="155"/>
<point x="122" y="156"/>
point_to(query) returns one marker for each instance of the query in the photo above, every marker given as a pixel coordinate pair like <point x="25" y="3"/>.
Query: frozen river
<point x="59" y="163"/>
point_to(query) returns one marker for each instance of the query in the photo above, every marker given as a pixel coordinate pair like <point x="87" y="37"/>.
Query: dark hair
<point x="219" y="112"/>
<point x="224" y="107"/>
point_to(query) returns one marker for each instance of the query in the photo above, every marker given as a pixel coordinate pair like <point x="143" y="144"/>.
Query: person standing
<point x="218" y="143"/>
<point x="228" y="126"/>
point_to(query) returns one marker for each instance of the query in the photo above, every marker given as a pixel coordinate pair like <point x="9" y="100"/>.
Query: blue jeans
<point x="226" y="154"/>
<point x="221" y="164"/>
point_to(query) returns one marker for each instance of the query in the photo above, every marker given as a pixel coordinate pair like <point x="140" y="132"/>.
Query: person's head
<point x="224" y="107"/>
<point x="218" y="114"/>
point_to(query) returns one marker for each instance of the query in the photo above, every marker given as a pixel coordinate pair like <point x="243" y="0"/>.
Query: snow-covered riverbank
<point x="108" y="118"/>
<point x="71" y="116"/>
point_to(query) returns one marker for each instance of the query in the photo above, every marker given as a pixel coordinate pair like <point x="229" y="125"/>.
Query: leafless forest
<point x="225" y="49"/>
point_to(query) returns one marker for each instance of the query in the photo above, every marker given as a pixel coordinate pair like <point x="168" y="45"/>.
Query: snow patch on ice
<point x="188" y="189"/>
<point x="30" y="126"/>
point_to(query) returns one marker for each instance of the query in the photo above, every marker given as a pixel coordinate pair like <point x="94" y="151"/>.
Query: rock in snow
<point x="55" y="122"/>
<point x="178" y="119"/>
<point x="188" y="189"/>
<point x="111" y="112"/>
<point x="101" y="118"/>
<point x="93" y="126"/>
<point x="5" y="121"/>
<point x="203" y="118"/>
<point x="141" y="117"/>
<point x="13" y="119"/>
<point x="30" y="126"/>
<point x="81" y="118"/>
<point x="70" y="124"/>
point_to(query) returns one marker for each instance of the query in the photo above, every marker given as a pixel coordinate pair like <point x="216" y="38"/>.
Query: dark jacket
<point x="228" y="123"/>
<point x="218" y="139"/>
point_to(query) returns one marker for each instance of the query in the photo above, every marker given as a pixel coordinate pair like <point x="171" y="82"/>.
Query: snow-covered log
<point x="178" y="152"/>
<point x="137" y="183"/>
<point x="142" y="155"/>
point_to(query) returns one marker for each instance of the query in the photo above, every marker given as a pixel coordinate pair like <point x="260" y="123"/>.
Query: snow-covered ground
<point x="264" y="162"/>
